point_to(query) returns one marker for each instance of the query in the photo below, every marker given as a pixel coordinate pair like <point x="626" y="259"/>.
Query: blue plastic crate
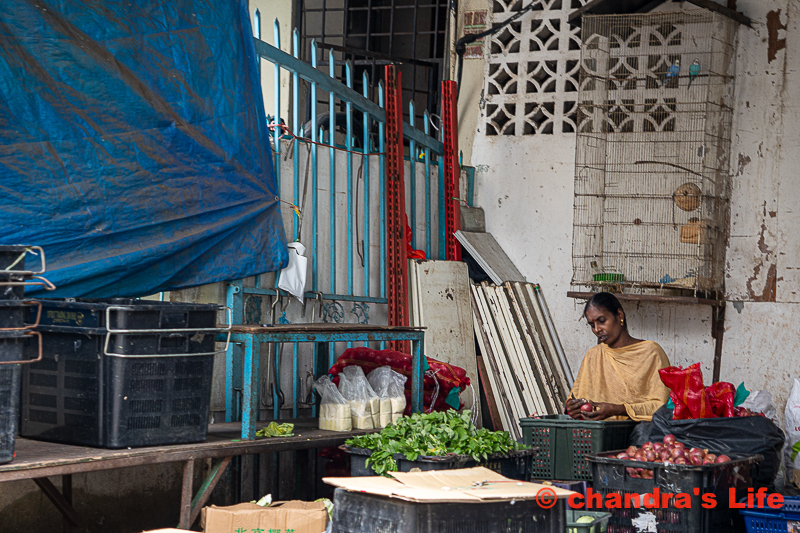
<point x="767" y="520"/>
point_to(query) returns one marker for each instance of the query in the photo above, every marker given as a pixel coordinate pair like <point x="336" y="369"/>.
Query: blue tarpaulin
<point x="133" y="144"/>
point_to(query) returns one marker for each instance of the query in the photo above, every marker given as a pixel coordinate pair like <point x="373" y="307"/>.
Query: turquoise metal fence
<point x="288" y="136"/>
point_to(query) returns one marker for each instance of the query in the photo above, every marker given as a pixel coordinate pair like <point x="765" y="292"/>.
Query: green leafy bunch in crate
<point x="432" y="434"/>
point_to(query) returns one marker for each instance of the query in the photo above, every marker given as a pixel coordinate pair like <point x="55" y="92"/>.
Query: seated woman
<point x="619" y="375"/>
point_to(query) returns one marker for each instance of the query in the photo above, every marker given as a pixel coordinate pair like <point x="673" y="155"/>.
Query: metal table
<point x="38" y="461"/>
<point x="252" y="336"/>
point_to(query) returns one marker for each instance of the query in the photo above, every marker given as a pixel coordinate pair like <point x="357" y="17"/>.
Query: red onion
<point x="669" y="439"/>
<point x="681" y="461"/>
<point x="649" y="456"/>
<point x="632" y="472"/>
<point x="696" y="459"/>
<point x="697" y="451"/>
<point x="677" y="452"/>
<point x="639" y="456"/>
<point x="669" y="461"/>
<point x="631" y="451"/>
<point x="623" y="455"/>
<point x="647" y="446"/>
<point x="680" y="445"/>
<point x="710" y="457"/>
<point x="587" y="407"/>
<point x="664" y="454"/>
<point x="657" y="447"/>
<point x="647" y="474"/>
<point x="707" y="461"/>
<point x="723" y="459"/>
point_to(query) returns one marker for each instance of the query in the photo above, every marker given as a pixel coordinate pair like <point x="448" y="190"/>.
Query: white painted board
<point x="441" y="303"/>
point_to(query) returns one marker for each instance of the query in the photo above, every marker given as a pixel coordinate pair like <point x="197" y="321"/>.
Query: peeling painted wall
<point x="525" y="184"/>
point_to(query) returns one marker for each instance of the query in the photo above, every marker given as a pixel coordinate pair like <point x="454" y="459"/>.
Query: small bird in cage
<point x="673" y="71"/>
<point x="694" y="71"/>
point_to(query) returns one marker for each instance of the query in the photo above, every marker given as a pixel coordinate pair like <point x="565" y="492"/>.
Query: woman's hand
<point x="604" y="410"/>
<point x="573" y="407"/>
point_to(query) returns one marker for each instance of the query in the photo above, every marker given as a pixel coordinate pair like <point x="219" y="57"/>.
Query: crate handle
<point x="28" y="361"/>
<point x="12" y="303"/>
<point x="28" y="249"/>
<point x="44" y="282"/>
<point x="110" y="331"/>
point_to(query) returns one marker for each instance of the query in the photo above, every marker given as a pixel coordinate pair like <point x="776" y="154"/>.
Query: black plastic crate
<point x="9" y="410"/>
<point x="355" y="512"/>
<point x="98" y="388"/>
<point x="610" y="476"/>
<point x="513" y="465"/>
<point x="564" y="443"/>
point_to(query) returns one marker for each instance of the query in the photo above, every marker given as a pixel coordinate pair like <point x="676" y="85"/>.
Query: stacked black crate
<point x="121" y="373"/>
<point x="15" y="334"/>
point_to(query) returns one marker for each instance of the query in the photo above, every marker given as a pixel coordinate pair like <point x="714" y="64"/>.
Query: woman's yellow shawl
<point x="627" y="376"/>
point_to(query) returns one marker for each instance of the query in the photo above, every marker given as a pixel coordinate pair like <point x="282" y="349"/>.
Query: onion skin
<point x="669" y="439"/>
<point x="722" y="459"/>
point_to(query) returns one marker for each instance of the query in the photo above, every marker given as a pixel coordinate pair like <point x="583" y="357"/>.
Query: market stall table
<point x="252" y="336"/>
<point x="39" y="460"/>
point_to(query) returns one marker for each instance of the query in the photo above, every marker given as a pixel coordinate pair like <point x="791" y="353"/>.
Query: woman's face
<point x="604" y="324"/>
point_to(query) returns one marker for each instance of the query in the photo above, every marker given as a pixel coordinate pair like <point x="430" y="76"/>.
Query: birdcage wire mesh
<point x="652" y="181"/>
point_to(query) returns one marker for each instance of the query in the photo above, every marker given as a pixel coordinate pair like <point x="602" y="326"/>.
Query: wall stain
<point x="744" y="160"/>
<point x="774" y="25"/>
<point x="773" y="214"/>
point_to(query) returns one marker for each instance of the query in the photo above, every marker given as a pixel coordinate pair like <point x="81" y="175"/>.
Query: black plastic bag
<point x="746" y="435"/>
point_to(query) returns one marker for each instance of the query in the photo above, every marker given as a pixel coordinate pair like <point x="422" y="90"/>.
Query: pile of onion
<point x="670" y="451"/>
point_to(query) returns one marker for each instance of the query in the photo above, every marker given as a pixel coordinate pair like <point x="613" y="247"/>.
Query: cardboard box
<point x="283" y="517"/>
<point x="457" y="486"/>
<point x="168" y="530"/>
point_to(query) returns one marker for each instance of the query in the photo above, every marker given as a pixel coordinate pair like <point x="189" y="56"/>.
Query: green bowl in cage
<point x="609" y="277"/>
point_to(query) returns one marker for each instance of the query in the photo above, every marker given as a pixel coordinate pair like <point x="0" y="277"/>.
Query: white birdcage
<point x="652" y="181"/>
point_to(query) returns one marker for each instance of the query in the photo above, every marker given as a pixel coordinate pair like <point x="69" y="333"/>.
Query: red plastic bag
<point x="446" y="376"/>
<point x="687" y="392"/>
<point x="721" y="396"/>
<point x="410" y="251"/>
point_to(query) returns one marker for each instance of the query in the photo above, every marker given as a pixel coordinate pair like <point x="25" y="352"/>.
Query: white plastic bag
<point x="760" y="401"/>
<point x="353" y="386"/>
<point x="293" y="277"/>
<point x="334" y="411"/>
<point x="390" y="387"/>
<point x="791" y="452"/>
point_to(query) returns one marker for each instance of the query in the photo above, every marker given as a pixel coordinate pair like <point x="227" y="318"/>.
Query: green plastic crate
<point x="564" y="443"/>
<point x="598" y="525"/>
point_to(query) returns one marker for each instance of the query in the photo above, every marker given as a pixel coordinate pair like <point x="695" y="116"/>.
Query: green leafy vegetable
<point x="438" y="433"/>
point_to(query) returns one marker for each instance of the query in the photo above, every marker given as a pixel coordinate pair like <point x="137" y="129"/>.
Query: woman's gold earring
<point x="622" y="322"/>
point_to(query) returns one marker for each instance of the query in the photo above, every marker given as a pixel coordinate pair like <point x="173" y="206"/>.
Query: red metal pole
<point x="452" y="170"/>
<point x="396" y="252"/>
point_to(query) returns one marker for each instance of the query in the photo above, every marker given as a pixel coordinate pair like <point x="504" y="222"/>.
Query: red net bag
<point x="721" y="396"/>
<point x="687" y="392"/>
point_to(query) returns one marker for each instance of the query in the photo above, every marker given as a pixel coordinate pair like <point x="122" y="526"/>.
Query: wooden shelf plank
<point x="686" y="300"/>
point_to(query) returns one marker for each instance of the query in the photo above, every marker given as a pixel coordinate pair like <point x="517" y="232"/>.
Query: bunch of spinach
<point x="438" y="433"/>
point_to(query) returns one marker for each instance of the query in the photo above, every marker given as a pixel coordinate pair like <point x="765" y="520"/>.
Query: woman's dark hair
<point x="607" y="301"/>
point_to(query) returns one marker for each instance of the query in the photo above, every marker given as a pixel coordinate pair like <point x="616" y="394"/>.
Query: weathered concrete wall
<point x="525" y="184"/>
